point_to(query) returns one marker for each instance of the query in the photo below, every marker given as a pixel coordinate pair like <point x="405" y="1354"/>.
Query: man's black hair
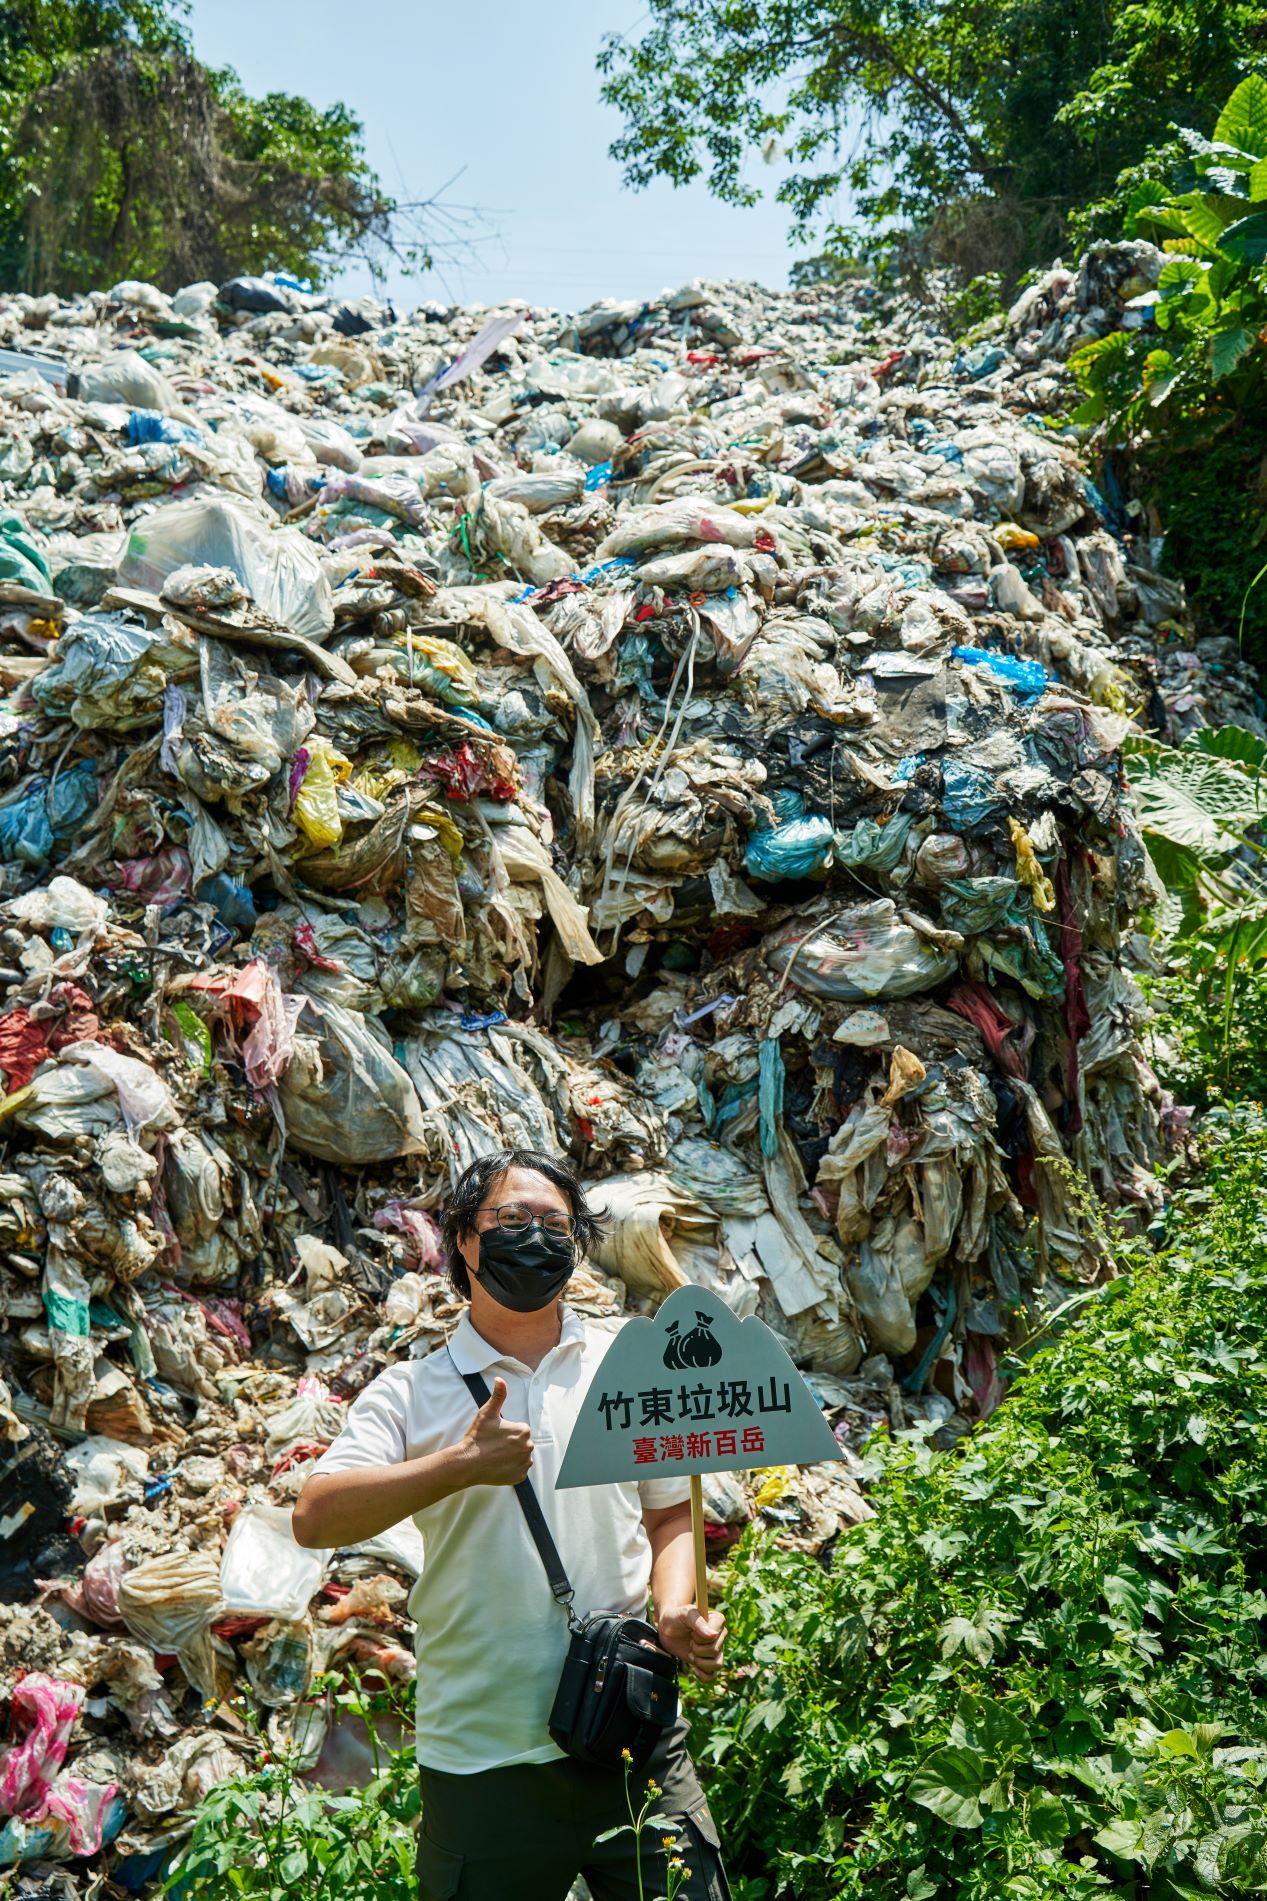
<point x="473" y="1184"/>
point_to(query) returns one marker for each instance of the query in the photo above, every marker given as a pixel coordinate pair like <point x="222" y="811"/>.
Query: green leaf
<point x="1258" y="181"/>
<point x="955" y="1633"/>
<point x="1229" y="742"/>
<point x="1120" y="1837"/>
<point x="1177" y="866"/>
<point x="1243" y="120"/>
<point x="1246" y="240"/>
<point x="768" y="1713"/>
<point x="1159" y="374"/>
<point x="1180" y="273"/>
<point x="1191" y="799"/>
<point x="1177" y="1742"/>
<point x="1206" y="215"/>
<point x="977" y="1636"/>
<point x="950" y="1783"/>
<point x="983" y="1724"/>
<point x="1114" y="344"/>
<point x="1048" y="1818"/>
<point x="1127" y="1592"/>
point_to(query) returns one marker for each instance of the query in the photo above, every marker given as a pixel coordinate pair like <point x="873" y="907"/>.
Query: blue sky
<point x="509" y="93"/>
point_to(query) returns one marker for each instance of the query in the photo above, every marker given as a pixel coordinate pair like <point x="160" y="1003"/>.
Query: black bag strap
<point x="530" y="1505"/>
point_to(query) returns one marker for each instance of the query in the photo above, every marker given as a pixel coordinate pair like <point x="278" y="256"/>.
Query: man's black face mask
<point x="525" y="1271"/>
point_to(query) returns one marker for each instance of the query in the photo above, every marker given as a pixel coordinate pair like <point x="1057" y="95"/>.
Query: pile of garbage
<point x="686" y="735"/>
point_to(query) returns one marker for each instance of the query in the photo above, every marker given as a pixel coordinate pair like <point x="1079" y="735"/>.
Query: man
<point x="506" y="1816"/>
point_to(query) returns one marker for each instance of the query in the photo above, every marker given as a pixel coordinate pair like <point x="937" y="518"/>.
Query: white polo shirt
<point x="490" y="1637"/>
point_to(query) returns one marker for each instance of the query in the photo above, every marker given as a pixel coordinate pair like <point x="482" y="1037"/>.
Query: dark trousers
<point x="525" y="1833"/>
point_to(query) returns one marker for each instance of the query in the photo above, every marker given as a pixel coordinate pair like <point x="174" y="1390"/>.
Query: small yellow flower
<point x="625" y="1756"/>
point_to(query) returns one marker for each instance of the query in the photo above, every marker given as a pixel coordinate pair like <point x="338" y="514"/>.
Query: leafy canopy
<point x="121" y="155"/>
<point x="1183" y="383"/>
<point x="980" y="125"/>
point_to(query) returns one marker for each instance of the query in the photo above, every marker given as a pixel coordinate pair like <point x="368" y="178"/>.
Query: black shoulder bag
<point x="618" y="1690"/>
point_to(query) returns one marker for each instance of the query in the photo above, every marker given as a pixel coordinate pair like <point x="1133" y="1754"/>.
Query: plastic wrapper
<point x="263" y="1571"/>
<point x="171" y="1602"/>
<point x="859" y="951"/>
<point x="316" y="806"/>
<point x="101" y="1469"/>
<point x="278" y="568"/>
<point x="343" y="1096"/>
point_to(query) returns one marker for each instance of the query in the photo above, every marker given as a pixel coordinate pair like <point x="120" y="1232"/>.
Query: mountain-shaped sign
<point x="694" y="1390"/>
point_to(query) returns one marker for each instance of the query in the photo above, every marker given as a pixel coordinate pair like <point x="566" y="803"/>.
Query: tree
<point x="122" y="155"/>
<point x="975" y="127"/>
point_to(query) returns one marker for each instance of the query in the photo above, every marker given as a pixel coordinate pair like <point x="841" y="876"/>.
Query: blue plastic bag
<point x="794" y="850"/>
<point x="969" y="795"/>
<point x="231" y="902"/>
<point x="1025" y="678"/>
<point x="151" y="425"/>
<point x="771" y="1076"/>
<point x="31" y="825"/>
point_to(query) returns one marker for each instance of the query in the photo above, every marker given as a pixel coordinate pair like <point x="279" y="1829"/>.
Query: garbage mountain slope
<point x="684" y="734"/>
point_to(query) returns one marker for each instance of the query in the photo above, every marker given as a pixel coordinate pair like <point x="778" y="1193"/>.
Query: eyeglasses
<point x="514" y="1218"/>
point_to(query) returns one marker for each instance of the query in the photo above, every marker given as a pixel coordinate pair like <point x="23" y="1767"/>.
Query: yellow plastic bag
<point x="450" y="836"/>
<point x="1029" y="871"/>
<point x="316" y="808"/>
<point x="776" y="1482"/>
<point x="441" y="665"/>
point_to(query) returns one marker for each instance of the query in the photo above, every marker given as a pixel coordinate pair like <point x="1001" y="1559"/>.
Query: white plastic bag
<point x="171" y="1602"/>
<point x="144" y="1099"/>
<point x="860" y="951"/>
<point x="127" y="378"/>
<point x="280" y="570"/>
<point x="690" y="518"/>
<point x="263" y="1572"/>
<point x="62" y="904"/>
<point x="100" y="1469"/>
<point x="330" y="444"/>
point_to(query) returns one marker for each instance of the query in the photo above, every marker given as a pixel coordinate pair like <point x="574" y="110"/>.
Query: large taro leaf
<point x="1243" y="120"/>
<point x="1193" y="799"/>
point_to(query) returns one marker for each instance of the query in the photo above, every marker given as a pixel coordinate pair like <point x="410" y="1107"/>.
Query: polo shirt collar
<point x="473" y="1354"/>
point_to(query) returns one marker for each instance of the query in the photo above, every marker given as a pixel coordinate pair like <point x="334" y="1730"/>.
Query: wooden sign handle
<point x="697" y="1531"/>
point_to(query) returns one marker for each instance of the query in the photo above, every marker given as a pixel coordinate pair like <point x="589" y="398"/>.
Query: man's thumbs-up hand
<point x="499" y="1450"/>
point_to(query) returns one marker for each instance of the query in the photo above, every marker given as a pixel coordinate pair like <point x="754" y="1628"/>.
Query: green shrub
<point x="1186" y="391"/>
<point x="268" y="1834"/>
<point x="1039" y="1670"/>
<point x="1209" y="1043"/>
